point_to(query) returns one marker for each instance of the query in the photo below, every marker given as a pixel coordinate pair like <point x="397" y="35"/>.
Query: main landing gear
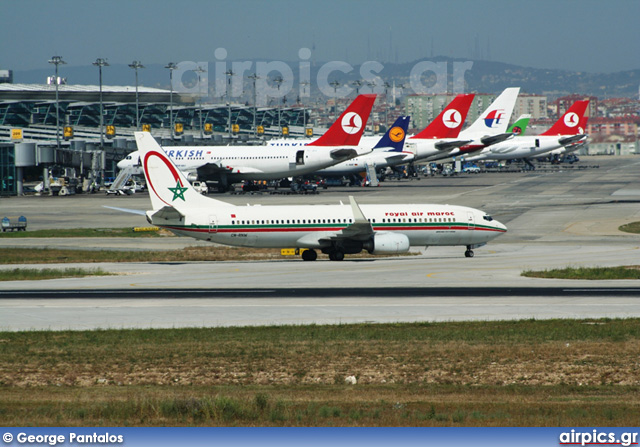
<point x="469" y="252"/>
<point x="309" y="255"/>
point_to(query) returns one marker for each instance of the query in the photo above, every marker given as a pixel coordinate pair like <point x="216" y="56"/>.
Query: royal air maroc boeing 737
<point x="335" y="230"/>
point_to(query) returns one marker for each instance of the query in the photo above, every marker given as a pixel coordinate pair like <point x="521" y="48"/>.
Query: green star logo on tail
<point x="178" y="192"/>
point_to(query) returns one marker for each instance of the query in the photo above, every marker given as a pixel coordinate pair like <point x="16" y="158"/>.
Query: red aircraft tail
<point x="449" y="123"/>
<point x="573" y="122"/>
<point x="349" y="127"/>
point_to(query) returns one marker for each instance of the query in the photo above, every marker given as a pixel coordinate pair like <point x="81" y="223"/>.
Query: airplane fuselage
<point x="298" y="226"/>
<point x="518" y="147"/>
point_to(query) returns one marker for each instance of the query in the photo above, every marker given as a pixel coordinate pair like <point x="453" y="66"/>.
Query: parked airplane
<point x="517" y="128"/>
<point x="335" y="230"/>
<point x="387" y="152"/>
<point x="488" y="129"/>
<point x="231" y="164"/>
<point x="566" y="131"/>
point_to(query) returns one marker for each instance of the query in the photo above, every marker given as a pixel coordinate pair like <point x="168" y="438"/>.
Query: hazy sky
<point x="584" y="35"/>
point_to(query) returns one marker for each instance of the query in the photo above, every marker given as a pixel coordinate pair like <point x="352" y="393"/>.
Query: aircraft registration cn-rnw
<point x="230" y="164"/>
<point x="335" y="230"/>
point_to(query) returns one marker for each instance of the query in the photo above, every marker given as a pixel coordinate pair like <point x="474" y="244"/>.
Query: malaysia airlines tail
<point x="495" y="119"/>
<point x="450" y="121"/>
<point x="393" y="139"/>
<point x="169" y="189"/>
<point x="573" y="122"/>
<point x="349" y="127"/>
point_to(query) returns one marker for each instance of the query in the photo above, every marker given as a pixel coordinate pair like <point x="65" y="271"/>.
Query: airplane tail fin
<point x="450" y="121"/>
<point x="394" y="138"/>
<point x="496" y="118"/>
<point x="572" y="122"/>
<point x="520" y="126"/>
<point x="349" y="127"/>
<point x="167" y="185"/>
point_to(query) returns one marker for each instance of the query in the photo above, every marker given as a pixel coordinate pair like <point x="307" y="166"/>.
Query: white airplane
<point x="443" y="135"/>
<point x="566" y="131"/>
<point x="387" y="152"/>
<point x="335" y="230"/>
<point x="231" y="164"/>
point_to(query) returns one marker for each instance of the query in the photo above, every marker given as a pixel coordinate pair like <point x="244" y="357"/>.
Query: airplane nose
<point x="501" y="226"/>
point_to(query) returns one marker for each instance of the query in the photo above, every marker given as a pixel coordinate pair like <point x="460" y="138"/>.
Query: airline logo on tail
<point x="494" y="118"/>
<point x="396" y="134"/>
<point x="451" y="118"/>
<point x="179" y="190"/>
<point x="351" y="123"/>
<point x="571" y="119"/>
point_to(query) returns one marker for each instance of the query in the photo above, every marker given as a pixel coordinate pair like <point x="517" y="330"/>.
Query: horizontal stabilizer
<point x="564" y="141"/>
<point x="166" y="213"/>
<point x="494" y="139"/>
<point x="343" y="154"/>
<point x="448" y="145"/>
<point x="126" y="210"/>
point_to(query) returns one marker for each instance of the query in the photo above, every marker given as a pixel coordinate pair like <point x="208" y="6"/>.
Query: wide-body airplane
<point x="231" y="164"/>
<point x="387" y="152"/>
<point x="335" y="230"/>
<point x="443" y="135"/>
<point x="566" y="131"/>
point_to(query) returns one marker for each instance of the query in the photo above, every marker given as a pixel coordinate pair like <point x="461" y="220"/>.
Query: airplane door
<point x="213" y="224"/>
<point x="299" y="158"/>
<point x="471" y="223"/>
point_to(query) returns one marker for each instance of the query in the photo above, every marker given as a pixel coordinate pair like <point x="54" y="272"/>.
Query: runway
<point x="568" y="217"/>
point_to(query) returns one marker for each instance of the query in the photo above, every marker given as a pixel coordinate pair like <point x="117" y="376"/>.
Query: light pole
<point x="254" y="77"/>
<point x="101" y="63"/>
<point x="372" y="85"/>
<point x="386" y="98"/>
<point x="304" y="85"/>
<point x="230" y="73"/>
<point x="57" y="60"/>
<point x="279" y="81"/>
<point x="135" y="65"/>
<point x="171" y="66"/>
<point x="200" y="70"/>
<point x="335" y="85"/>
<point x="357" y="83"/>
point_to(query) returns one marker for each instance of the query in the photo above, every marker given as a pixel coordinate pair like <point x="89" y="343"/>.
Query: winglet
<point x="358" y="215"/>
<point x="349" y="127"/>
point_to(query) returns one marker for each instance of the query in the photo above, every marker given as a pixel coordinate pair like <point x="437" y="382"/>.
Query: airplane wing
<point x="448" y="145"/>
<point x="493" y="139"/>
<point x="359" y="230"/>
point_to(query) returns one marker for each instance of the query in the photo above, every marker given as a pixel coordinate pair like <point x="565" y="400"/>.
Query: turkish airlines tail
<point x="349" y="127"/>
<point x="450" y="120"/>
<point x="573" y="122"/>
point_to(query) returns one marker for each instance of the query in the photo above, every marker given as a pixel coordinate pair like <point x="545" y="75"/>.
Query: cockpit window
<point x="487" y="218"/>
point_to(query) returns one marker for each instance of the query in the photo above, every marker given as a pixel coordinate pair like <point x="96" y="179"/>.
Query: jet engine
<point x="387" y="243"/>
<point x="192" y="176"/>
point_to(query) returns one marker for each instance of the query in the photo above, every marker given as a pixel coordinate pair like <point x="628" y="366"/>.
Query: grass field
<point x="527" y="373"/>
<point x="593" y="273"/>
<point x="83" y="232"/>
<point x="633" y="227"/>
<point x="19" y="274"/>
